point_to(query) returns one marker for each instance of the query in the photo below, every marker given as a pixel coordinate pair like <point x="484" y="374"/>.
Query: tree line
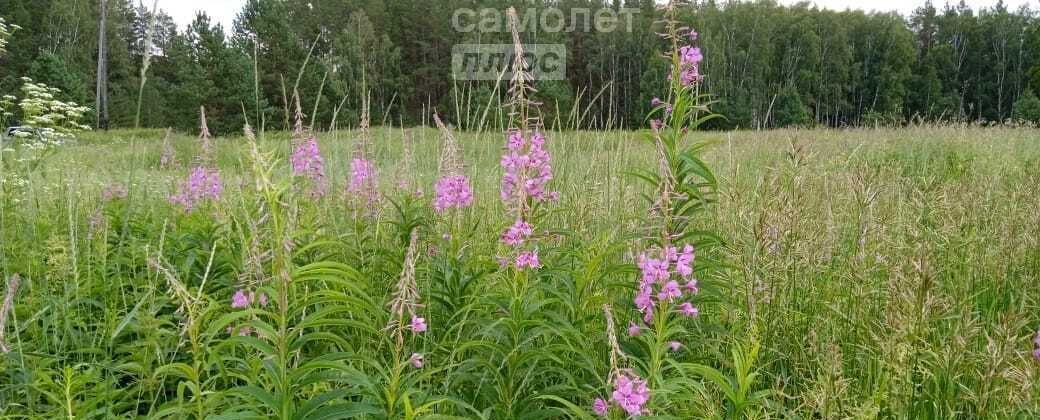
<point x="766" y="65"/>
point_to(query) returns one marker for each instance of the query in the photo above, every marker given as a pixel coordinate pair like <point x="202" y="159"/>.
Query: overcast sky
<point x="224" y="11"/>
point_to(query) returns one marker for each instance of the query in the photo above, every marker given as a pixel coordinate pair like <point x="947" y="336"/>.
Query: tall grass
<point x="885" y="273"/>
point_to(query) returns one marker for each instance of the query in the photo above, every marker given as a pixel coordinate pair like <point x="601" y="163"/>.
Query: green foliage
<point x="51" y="70"/>
<point x="790" y="110"/>
<point x="848" y="67"/>
<point x="1027" y="108"/>
<point x="1034" y="76"/>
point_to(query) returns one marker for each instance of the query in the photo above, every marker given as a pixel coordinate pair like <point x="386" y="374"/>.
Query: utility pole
<point x="101" y="97"/>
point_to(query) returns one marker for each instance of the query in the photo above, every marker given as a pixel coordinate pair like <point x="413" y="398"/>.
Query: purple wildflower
<point x="645" y="299"/>
<point x="515" y="141"/>
<point x="242" y="299"/>
<point x="658" y="103"/>
<point x="654" y="270"/>
<point x="690" y="55"/>
<point x="452" y="191"/>
<point x="690" y="58"/>
<point x="659" y="281"/>
<point x="418" y="324"/>
<point x="669" y="291"/>
<point x="362" y="174"/>
<point x="630" y="393"/>
<point x="684" y="262"/>
<point x="528" y="259"/>
<point x="600" y="407"/>
<point x="691" y="287"/>
<point x="634" y="329"/>
<point x="517" y="233"/>
<point x="307" y="162"/>
<point x="239" y="300"/>
<point x="527" y="170"/>
<point x="416" y="360"/>
<point x="202" y="184"/>
<point x="674" y="346"/>
<point x="687" y="308"/>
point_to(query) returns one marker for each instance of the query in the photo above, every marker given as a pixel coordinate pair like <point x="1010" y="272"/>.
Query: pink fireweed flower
<point x="515" y="141"/>
<point x="242" y="299"/>
<point x="362" y="174"/>
<point x="670" y="254"/>
<point x="452" y="192"/>
<point x="674" y="346"/>
<point x="669" y="291"/>
<point x="416" y="360"/>
<point x="363" y="185"/>
<point x="684" y="262"/>
<point x="517" y="233"/>
<point x="691" y="287"/>
<point x="690" y="55"/>
<point x="307" y="162"/>
<point x="634" y="329"/>
<point x="528" y="259"/>
<point x="654" y="270"/>
<point x="658" y="103"/>
<point x="659" y="280"/>
<point x="690" y="76"/>
<point x="258" y="298"/>
<point x="687" y="308"/>
<point x="239" y="300"/>
<point x="418" y="324"/>
<point x="527" y="170"/>
<point x="600" y="407"/>
<point x="630" y="393"/>
<point x="645" y="299"/>
<point x="202" y="184"/>
<point x="690" y="58"/>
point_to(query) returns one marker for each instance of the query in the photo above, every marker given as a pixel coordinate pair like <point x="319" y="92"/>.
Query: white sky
<point x="224" y="11"/>
<point x="183" y="11"/>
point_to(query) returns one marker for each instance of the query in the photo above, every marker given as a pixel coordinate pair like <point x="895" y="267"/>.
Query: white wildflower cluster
<point x="48" y="121"/>
<point x="6" y="31"/>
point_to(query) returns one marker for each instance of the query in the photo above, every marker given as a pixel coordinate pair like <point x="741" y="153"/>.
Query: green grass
<point x="881" y="273"/>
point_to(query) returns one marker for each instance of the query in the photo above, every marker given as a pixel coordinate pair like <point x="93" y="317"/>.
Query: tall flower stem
<point x="131" y="176"/>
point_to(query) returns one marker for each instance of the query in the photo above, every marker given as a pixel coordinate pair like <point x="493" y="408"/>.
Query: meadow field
<point x="866" y="273"/>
